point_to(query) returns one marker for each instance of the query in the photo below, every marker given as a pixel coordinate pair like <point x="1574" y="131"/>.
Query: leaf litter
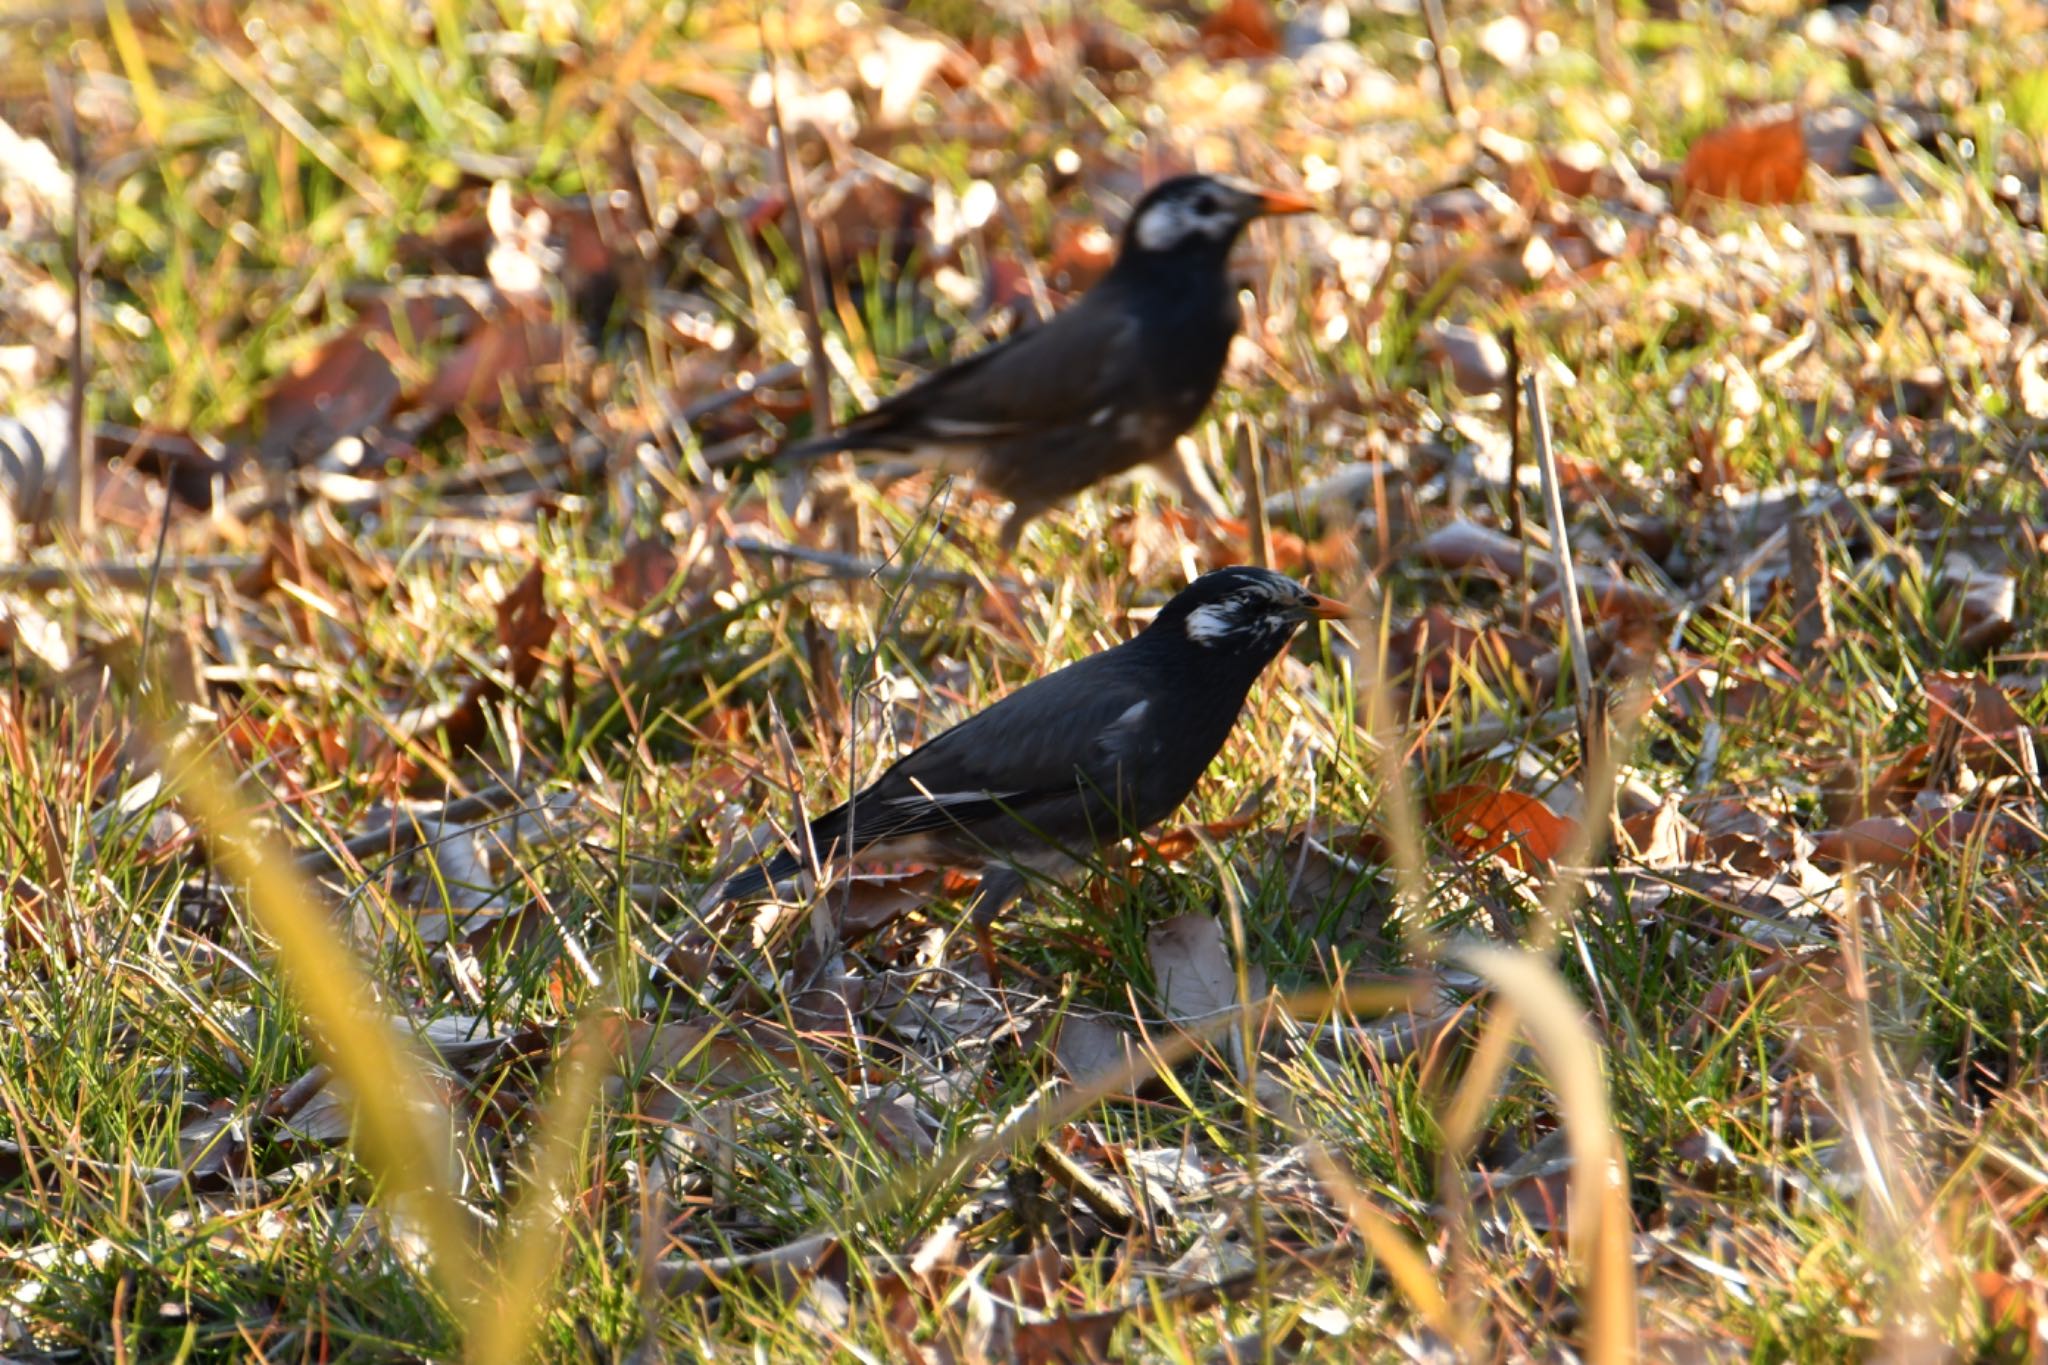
<point x="467" y="568"/>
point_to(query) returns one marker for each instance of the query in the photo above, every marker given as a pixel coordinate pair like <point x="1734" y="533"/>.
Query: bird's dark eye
<point x="1206" y="203"/>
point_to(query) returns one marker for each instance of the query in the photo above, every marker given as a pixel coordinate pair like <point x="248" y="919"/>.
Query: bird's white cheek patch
<point x="1162" y="225"/>
<point x="1207" y="625"/>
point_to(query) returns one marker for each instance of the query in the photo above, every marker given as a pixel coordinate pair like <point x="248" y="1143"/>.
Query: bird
<point x="1073" y="761"/>
<point x="1106" y="385"/>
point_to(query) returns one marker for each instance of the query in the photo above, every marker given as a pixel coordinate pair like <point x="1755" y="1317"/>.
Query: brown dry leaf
<point x="1887" y="841"/>
<point x="525" y="629"/>
<point x="1609" y="596"/>
<point x="351" y="383"/>
<point x="1664" y="837"/>
<point x="705" y="1055"/>
<point x="502" y="354"/>
<point x="1757" y="163"/>
<point x="1433" y="647"/>
<point x="642" y="574"/>
<point x="1978" y="605"/>
<point x="1337" y="868"/>
<point x="1822" y="970"/>
<point x="1089" y="1047"/>
<point x="1193" y="968"/>
<point x="898" y="1126"/>
<point x="868" y="903"/>
<point x="1465" y="545"/>
<point x="1983" y="707"/>
<point x="1240" y="30"/>
<point x="1473" y="359"/>
<point x="1483" y="822"/>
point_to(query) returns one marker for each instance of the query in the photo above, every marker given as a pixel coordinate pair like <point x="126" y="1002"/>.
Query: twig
<point x="802" y="239"/>
<point x="1107" y="1202"/>
<point x="838" y="565"/>
<point x="140" y="572"/>
<point x="1561" y="549"/>
<point x="1251" y="471"/>
<point x="404" y="834"/>
<point x="1448" y="80"/>
<point x="1518" y="506"/>
<point x="78" y="482"/>
<point x="1813" y="603"/>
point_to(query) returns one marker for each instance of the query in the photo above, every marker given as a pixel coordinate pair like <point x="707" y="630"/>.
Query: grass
<point x="1795" y="1125"/>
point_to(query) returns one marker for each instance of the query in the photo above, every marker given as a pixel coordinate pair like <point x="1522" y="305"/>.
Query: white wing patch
<point x="958" y="428"/>
<point x="1119" y="738"/>
<point x="925" y="798"/>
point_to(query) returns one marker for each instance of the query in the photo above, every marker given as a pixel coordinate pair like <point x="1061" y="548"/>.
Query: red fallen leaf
<point x="1757" y="163"/>
<point x="1179" y="842"/>
<point x="1240" y="29"/>
<point x="1483" y="823"/>
<point x="525" y="629"/>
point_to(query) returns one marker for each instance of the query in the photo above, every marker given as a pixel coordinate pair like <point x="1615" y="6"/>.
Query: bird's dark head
<point x="1201" y="214"/>
<point x="1241" y="610"/>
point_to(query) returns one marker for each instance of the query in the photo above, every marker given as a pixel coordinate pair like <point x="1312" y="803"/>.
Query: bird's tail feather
<point x="817" y="447"/>
<point x="755" y="878"/>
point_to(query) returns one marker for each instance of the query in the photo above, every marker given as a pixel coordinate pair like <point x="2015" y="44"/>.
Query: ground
<point x="1646" y="967"/>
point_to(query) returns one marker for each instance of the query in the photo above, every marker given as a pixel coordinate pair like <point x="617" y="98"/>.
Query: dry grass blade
<point x="1027" y="1125"/>
<point x="1405" y="1265"/>
<point x="1600" y="1221"/>
<point x="403" y="1126"/>
<point x="503" y="1323"/>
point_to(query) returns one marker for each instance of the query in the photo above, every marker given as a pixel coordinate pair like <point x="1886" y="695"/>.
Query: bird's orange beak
<point x="1278" y="203"/>
<point x="1327" y="608"/>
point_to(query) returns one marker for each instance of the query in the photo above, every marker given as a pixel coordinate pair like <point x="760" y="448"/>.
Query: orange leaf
<point x="1757" y="163"/>
<point x="1483" y="822"/>
<point x="1240" y="28"/>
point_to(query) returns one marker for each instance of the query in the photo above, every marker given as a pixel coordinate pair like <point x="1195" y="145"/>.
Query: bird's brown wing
<point x="1065" y="372"/>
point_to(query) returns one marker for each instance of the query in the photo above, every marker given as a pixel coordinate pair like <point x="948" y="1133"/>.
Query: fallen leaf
<point x="1485" y="823"/>
<point x="1756" y="163"/>
<point x="1089" y="1047"/>
<point x="1465" y="545"/>
<point x="1474" y="360"/>
<point x="1240" y="30"/>
<point x="1977" y="605"/>
<point x="1663" y="837"/>
<point x="1193" y="968"/>
<point x="351" y="383"/>
<point x="501" y="355"/>
<point x="1981" y="705"/>
<point x="1887" y="841"/>
<point x="525" y="629"/>
<point x="642" y="574"/>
